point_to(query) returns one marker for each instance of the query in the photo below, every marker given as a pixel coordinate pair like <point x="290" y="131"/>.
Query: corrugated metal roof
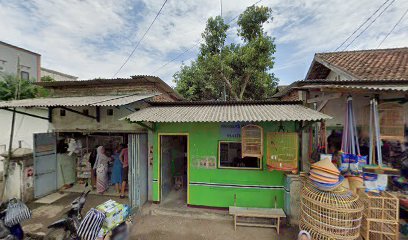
<point x="227" y="113"/>
<point x="112" y="100"/>
<point x="400" y="88"/>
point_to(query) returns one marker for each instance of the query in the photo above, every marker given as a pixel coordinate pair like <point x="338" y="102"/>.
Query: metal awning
<point x="97" y="101"/>
<point x="236" y="112"/>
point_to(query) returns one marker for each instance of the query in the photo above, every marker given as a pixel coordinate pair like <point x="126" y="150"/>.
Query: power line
<point x="361" y="25"/>
<point x="385" y="9"/>
<point x="197" y="43"/>
<point x="141" y="39"/>
<point x="388" y="34"/>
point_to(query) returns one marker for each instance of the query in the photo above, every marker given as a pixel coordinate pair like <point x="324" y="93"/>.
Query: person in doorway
<point x="92" y="160"/>
<point x="124" y="157"/>
<point x="117" y="169"/>
<point x="101" y="166"/>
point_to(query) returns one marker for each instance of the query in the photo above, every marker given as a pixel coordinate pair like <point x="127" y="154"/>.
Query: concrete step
<point x="192" y="213"/>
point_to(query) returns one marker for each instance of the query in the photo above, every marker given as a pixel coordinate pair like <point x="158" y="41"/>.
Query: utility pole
<point x="13" y="120"/>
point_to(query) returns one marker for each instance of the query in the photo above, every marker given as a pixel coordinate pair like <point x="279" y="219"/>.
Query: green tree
<point x="9" y="84"/>
<point x="244" y="69"/>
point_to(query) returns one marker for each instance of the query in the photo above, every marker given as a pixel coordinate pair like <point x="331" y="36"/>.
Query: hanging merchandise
<point x="351" y="159"/>
<point x="325" y="176"/>
<point x="375" y="146"/>
<point x="252" y="141"/>
<point x="282" y="151"/>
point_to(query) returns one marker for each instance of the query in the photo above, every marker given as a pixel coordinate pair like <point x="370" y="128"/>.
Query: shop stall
<point x="218" y="150"/>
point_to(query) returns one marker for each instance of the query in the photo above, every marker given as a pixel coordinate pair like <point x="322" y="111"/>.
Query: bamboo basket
<point x="380" y="216"/>
<point x="330" y="214"/>
<point x="382" y="206"/>
<point x="252" y="141"/>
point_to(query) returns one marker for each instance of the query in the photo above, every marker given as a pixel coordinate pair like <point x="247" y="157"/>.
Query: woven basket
<point x="330" y="214"/>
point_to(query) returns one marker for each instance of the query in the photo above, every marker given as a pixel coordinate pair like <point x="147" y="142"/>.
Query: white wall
<point x="57" y="76"/>
<point x="29" y="62"/>
<point x="24" y="127"/>
<point x="73" y="122"/>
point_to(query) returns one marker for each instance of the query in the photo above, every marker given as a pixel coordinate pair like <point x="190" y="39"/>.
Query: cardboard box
<point x="115" y="213"/>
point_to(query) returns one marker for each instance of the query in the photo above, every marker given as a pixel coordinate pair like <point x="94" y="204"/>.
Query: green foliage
<point x="47" y="79"/>
<point x="244" y="69"/>
<point x="10" y="83"/>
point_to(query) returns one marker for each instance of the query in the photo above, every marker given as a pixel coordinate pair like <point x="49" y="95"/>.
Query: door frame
<point x="159" y="170"/>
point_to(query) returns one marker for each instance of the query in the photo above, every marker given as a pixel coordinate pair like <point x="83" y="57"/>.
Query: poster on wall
<point x="204" y="162"/>
<point x="230" y="130"/>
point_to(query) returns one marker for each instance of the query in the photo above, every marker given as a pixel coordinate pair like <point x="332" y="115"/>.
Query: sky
<point x="92" y="38"/>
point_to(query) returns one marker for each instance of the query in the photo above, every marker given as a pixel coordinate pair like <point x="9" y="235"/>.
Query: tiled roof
<point x="385" y="64"/>
<point x="112" y="100"/>
<point x="226" y="112"/>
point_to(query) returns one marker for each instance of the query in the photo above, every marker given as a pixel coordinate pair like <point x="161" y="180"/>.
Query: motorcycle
<point x="14" y="232"/>
<point x="67" y="227"/>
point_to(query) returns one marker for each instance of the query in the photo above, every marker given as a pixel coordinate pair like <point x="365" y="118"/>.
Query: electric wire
<point x="141" y="39"/>
<point x="196" y="44"/>
<point x="393" y="28"/>
<point x="361" y="25"/>
<point x="379" y="15"/>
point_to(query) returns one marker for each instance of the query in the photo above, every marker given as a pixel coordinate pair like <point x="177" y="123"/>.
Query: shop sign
<point x="230" y="130"/>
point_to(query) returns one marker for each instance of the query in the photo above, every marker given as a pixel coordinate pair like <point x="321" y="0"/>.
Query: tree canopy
<point x="244" y="69"/>
<point x="9" y="84"/>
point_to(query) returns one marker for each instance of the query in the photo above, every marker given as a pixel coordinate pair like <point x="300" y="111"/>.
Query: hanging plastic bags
<point x="351" y="158"/>
<point x="17" y="212"/>
<point x="91" y="225"/>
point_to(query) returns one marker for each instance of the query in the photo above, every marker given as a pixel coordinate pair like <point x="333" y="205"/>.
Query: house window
<point x="230" y="156"/>
<point x="109" y="112"/>
<point x="24" y="75"/>
<point x="62" y="112"/>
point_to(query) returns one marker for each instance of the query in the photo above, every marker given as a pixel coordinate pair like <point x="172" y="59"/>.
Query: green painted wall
<point x="216" y="187"/>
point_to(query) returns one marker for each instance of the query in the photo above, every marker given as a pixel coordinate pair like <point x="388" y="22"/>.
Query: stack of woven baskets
<point x="329" y="211"/>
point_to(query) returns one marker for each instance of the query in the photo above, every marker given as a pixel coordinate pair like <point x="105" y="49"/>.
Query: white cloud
<point x="92" y="38"/>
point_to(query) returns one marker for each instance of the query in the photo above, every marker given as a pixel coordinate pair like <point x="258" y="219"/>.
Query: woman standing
<point x="124" y="157"/>
<point x="117" y="169"/>
<point x="101" y="166"/>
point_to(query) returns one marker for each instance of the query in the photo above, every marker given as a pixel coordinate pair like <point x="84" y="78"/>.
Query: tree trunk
<point x="244" y="85"/>
<point x="229" y="85"/>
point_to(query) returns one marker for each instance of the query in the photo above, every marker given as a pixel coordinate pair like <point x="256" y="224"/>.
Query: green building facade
<point x="209" y="184"/>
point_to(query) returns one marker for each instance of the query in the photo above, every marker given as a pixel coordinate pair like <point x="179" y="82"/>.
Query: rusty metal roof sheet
<point x="247" y="112"/>
<point x="113" y="100"/>
<point x="394" y="88"/>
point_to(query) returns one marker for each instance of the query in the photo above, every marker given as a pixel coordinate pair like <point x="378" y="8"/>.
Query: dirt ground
<point x="156" y="227"/>
<point x="175" y="228"/>
<point x="45" y="214"/>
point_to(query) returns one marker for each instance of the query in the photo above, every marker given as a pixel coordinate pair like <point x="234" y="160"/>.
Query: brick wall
<point x="112" y="89"/>
<point x="292" y="96"/>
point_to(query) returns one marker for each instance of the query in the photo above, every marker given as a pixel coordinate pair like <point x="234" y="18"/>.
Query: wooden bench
<point x="272" y="213"/>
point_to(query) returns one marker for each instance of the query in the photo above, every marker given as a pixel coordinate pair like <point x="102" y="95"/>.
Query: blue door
<point x="45" y="164"/>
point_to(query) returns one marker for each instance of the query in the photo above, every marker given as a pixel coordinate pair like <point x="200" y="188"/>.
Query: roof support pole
<point x="80" y="113"/>
<point x="98" y="113"/>
<point x="24" y="113"/>
<point x="50" y="114"/>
